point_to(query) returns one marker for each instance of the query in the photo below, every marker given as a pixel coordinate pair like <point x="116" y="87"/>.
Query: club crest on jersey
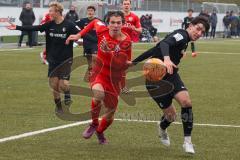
<point x="130" y="19"/>
<point x="64" y="29"/>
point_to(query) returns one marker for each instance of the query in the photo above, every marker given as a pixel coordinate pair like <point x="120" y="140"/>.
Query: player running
<point x="114" y="50"/>
<point x="133" y="23"/>
<point x="59" y="54"/>
<point x="89" y="43"/>
<point x="170" y="50"/>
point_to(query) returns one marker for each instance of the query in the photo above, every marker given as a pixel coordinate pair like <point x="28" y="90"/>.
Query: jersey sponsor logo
<point x="178" y="37"/>
<point x="51" y="29"/>
<point x="112" y="46"/>
<point x="58" y="35"/>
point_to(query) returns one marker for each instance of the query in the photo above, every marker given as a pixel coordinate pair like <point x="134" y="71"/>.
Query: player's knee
<point x="170" y="114"/>
<point x="64" y="86"/>
<point x="186" y="102"/>
<point x="98" y="92"/>
<point x="54" y="85"/>
<point x="98" y="95"/>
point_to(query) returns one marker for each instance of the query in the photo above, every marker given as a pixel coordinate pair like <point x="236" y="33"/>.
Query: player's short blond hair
<point x="127" y="0"/>
<point x="58" y="6"/>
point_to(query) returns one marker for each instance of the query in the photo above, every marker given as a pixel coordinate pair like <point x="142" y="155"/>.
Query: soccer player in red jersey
<point x="133" y="23"/>
<point x="114" y="51"/>
<point x="43" y="55"/>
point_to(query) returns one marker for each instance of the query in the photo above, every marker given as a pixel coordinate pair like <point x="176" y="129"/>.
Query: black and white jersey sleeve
<point x="172" y="45"/>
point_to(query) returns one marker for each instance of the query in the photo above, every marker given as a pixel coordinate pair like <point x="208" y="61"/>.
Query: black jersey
<point x="173" y="45"/>
<point x="56" y="35"/>
<point x="90" y="40"/>
<point x="186" y="22"/>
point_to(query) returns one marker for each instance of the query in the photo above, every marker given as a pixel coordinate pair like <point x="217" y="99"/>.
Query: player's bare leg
<point x="64" y="87"/>
<point x="184" y="100"/>
<point x="89" y="69"/>
<point x="54" y="84"/>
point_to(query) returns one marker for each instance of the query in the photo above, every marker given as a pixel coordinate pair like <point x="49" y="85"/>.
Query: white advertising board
<point x="170" y="21"/>
<point x="163" y="21"/>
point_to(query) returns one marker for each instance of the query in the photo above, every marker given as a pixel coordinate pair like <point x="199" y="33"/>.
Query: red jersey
<point x="111" y="64"/>
<point x="46" y="18"/>
<point x="133" y="20"/>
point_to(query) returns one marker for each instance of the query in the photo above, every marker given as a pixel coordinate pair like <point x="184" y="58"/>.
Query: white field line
<point x="138" y="50"/>
<point x="15" y="49"/>
<point x="220" y="53"/>
<point x="29" y="134"/>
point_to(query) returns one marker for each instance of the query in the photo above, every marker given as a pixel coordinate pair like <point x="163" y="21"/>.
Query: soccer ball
<point x="154" y="69"/>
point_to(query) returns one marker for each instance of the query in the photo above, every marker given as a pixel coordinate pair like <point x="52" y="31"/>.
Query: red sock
<point x="45" y="54"/>
<point x="95" y="110"/>
<point x="104" y="125"/>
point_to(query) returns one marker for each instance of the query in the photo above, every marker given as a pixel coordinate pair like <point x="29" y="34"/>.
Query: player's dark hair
<point x="91" y="7"/>
<point x="116" y="14"/>
<point x="190" y="10"/>
<point x="203" y="20"/>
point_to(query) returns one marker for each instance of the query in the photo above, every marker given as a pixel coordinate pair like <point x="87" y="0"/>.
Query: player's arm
<point x="149" y="53"/>
<point x="27" y="28"/>
<point x="94" y="24"/>
<point x="138" y="27"/>
<point x="76" y="29"/>
<point x="165" y="45"/>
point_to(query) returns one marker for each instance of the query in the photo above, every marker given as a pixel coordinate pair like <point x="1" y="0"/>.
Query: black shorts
<point x="60" y="70"/>
<point x="166" y="100"/>
<point x="88" y="51"/>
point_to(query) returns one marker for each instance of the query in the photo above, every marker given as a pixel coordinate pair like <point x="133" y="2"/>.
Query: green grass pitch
<point x="26" y="105"/>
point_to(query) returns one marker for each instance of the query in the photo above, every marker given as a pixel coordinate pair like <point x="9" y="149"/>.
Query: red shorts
<point x="111" y="90"/>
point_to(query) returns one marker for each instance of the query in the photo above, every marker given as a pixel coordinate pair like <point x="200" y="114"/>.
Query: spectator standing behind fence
<point x="186" y="21"/>
<point x="226" y="24"/>
<point x="213" y="22"/>
<point x="238" y="24"/>
<point x="27" y="17"/>
<point x="152" y="30"/>
<point x="72" y="14"/>
<point x="233" y="24"/>
<point x="205" y="14"/>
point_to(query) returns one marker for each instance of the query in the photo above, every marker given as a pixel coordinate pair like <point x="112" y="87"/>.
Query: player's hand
<point x="104" y="45"/>
<point x="130" y="63"/>
<point x="73" y="37"/>
<point x="11" y="26"/>
<point x="133" y="28"/>
<point x="169" y="64"/>
<point x="194" y="54"/>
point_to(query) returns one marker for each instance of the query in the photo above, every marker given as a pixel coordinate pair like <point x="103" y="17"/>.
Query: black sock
<point x="67" y="96"/>
<point x="58" y="102"/>
<point x="164" y="123"/>
<point x="192" y="47"/>
<point x="187" y="120"/>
